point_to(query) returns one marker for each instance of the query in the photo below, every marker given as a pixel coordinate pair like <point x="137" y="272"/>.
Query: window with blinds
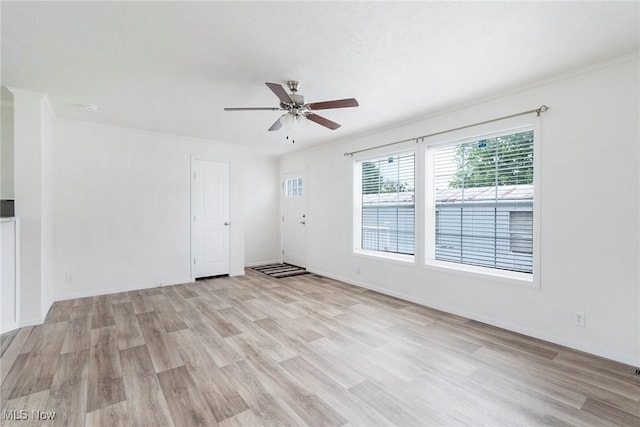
<point x="387" y="222"/>
<point x="483" y="202"/>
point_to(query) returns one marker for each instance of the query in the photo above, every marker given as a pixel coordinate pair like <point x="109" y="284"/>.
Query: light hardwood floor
<point x="258" y="351"/>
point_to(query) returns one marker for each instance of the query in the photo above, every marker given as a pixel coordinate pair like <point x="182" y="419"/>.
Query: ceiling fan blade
<point x="338" y="103"/>
<point x="280" y="92"/>
<point x="322" y="121"/>
<point x="252" y="109"/>
<point x="277" y="125"/>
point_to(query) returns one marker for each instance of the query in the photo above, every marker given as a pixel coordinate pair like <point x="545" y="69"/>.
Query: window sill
<point x="504" y="276"/>
<point x="386" y="256"/>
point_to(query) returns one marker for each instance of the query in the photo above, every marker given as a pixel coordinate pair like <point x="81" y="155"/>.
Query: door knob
<point x="226" y="223"/>
<point x="302" y="222"/>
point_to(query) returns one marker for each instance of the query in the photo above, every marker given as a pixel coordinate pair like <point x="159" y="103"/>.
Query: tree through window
<point x="483" y="201"/>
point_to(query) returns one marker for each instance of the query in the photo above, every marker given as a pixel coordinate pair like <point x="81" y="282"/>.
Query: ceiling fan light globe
<point x="287" y="120"/>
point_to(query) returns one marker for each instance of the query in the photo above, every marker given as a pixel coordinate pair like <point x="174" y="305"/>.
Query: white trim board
<point x="257" y="263"/>
<point x="622" y="358"/>
<point x="109" y="291"/>
<point x="30" y="322"/>
<point x="10" y="327"/>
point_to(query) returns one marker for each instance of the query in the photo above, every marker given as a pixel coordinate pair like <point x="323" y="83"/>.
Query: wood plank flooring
<point x="304" y="350"/>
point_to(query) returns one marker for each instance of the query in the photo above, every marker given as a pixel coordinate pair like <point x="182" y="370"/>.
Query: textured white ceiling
<point x="173" y="66"/>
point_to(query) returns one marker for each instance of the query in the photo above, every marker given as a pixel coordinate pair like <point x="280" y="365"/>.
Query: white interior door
<point x="294" y="218"/>
<point x="210" y="218"/>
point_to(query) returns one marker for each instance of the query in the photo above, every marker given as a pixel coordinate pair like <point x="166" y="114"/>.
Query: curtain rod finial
<point x="541" y="109"/>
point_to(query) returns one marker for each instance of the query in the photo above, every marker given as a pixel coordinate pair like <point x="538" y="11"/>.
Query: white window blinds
<point x="388" y="206"/>
<point x="483" y="201"/>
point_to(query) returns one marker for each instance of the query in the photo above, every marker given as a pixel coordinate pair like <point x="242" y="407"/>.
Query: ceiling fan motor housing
<point x="297" y="107"/>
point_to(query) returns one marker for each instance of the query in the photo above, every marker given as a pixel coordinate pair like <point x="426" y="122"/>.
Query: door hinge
<point x="282" y="217"/>
<point x="283" y="185"/>
<point x="194" y="175"/>
<point x="283" y="252"/>
<point x="194" y="218"/>
<point x="194" y="260"/>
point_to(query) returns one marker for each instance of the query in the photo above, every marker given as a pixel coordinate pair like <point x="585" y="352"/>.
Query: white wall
<point x="6" y="146"/>
<point x="121" y="209"/>
<point x="47" y="118"/>
<point x="261" y="211"/>
<point x="590" y="212"/>
<point x="32" y="182"/>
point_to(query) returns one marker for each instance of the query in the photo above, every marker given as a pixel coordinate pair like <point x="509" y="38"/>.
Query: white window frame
<point x="291" y="190"/>
<point x="357" y="209"/>
<point x="509" y="126"/>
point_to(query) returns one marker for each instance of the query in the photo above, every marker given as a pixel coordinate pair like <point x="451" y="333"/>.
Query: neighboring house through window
<point x="385" y="218"/>
<point x="479" y="208"/>
<point x="482" y="195"/>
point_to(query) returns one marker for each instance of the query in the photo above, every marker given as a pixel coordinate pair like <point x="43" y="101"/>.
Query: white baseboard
<point x="622" y="358"/>
<point x="30" y="322"/>
<point x="99" y="292"/>
<point x="256" y="263"/>
<point x="39" y="321"/>
<point x="46" y="306"/>
<point x="21" y="324"/>
<point x="9" y="327"/>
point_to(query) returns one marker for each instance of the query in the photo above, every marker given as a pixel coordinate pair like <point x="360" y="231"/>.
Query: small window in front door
<point x="294" y="187"/>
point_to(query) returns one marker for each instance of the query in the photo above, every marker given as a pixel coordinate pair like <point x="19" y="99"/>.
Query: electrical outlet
<point x="578" y="318"/>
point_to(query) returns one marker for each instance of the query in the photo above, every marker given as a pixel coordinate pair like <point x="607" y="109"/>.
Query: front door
<point x="294" y="239"/>
<point x="210" y="218"/>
